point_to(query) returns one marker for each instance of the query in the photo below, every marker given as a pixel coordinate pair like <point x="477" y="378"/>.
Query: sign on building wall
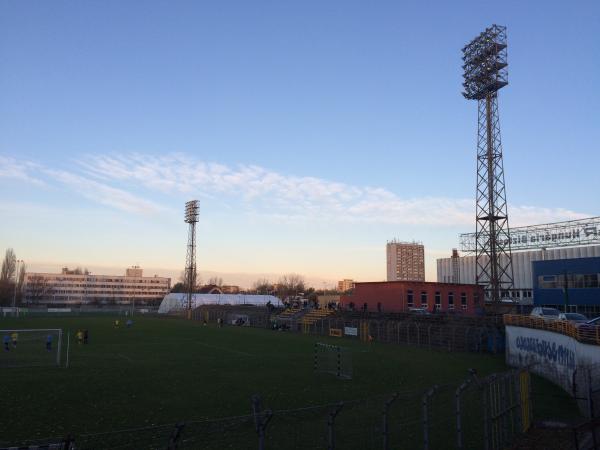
<point x="559" y="234"/>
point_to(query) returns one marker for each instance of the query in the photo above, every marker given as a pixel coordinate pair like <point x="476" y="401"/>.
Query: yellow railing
<point x="590" y="334"/>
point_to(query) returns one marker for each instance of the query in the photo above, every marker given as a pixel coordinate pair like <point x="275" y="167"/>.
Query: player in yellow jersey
<point x="15" y="338"/>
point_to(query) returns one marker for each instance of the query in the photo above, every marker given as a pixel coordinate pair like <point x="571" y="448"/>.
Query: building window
<point x="423" y="299"/>
<point x="450" y="300"/>
<point x="591" y="280"/>
<point x="409" y="298"/>
<point x="463" y="300"/>
<point x="476" y="298"/>
<point x="438" y="300"/>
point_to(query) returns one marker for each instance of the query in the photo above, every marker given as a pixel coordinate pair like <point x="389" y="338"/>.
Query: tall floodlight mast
<point x="485" y="73"/>
<point x="191" y="217"/>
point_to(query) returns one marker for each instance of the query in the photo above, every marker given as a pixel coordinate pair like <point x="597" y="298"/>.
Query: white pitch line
<point x="125" y="357"/>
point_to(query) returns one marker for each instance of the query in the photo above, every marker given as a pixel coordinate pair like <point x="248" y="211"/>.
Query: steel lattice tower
<point x="485" y="73"/>
<point x="191" y="217"/>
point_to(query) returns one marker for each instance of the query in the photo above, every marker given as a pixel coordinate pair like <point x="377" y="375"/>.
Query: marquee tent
<point x="178" y="301"/>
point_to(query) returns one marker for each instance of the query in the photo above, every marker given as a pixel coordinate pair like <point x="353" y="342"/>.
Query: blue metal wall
<point x="572" y="267"/>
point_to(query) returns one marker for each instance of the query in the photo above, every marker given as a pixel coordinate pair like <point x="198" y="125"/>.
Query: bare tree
<point x="216" y="281"/>
<point x="9" y="266"/>
<point x="79" y="271"/>
<point x="7" y="274"/>
<point x="290" y="285"/>
<point x="21" y="281"/>
<point x="38" y="288"/>
<point x="183" y="278"/>
<point x="262" y="286"/>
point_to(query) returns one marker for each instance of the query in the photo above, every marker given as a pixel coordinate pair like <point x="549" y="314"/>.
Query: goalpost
<point x="31" y="347"/>
<point x="333" y="359"/>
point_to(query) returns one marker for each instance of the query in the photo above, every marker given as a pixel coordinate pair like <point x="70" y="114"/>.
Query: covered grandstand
<point x="178" y="301"/>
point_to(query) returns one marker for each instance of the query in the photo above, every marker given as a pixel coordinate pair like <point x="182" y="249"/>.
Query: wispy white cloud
<point x="102" y="193"/>
<point x="290" y="198"/>
<point x="19" y="170"/>
<point x="118" y="181"/>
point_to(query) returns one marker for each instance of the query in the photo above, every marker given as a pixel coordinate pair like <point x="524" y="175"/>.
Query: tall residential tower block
<point x="405" y="261"/>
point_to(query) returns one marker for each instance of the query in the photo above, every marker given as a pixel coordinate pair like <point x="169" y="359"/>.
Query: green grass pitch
<point x="165" y="370"/>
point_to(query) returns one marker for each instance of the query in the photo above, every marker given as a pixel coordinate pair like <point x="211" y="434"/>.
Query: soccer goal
<point x="31" y="347"/>
<point x="333" y="359"/>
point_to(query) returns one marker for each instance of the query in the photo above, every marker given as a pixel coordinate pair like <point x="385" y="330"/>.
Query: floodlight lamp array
<point x="485" y="63"/>
<point x="191" y="211"/>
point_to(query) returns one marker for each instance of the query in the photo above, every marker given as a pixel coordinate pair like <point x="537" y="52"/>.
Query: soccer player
<point x="86" y="336"/>
<point x="6" y="340"/>
<point x="117" y="323"/>
<point x="129" y="323"/>
<point x="49" y="343"/>
<point x="15" y="337"/>
<point x="79" y="336"/>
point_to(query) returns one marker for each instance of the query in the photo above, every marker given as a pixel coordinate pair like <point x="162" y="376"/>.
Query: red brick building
<point x="399" y="296"/>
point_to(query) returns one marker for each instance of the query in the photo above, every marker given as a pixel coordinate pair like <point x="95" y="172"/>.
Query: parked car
<point x="420" y="311"/>
<point x="574" y="318"/>
<point x="588" y="331"/>
<point x="545" y="313"/>
<point x="595" y="321"/>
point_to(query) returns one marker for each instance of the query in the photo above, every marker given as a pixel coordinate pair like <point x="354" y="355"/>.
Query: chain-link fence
<point x="483" y="414"/>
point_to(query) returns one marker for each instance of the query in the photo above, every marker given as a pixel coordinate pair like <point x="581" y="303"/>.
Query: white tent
<point x="178" y="301"/>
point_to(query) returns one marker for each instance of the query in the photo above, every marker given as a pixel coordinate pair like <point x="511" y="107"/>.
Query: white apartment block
<point x="405" y="261"/>
<point x="83" y="288"/>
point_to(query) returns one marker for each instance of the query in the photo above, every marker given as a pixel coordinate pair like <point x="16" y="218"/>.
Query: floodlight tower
<point x="485" y="74"/>
<point x="191" y="217"/>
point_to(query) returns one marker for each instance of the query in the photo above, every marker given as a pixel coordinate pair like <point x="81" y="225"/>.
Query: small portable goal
<point x="333" y="359"/>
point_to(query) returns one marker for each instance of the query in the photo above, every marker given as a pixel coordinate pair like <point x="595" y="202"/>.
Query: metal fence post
<point x="261" y="420"/>
<point x="429" y="335"/>
<point x="425" y="403"/>
<point x="68" y="443"/>
<point x="485" y="417"/>
<point x="385" y="429"/>
<point x="459" y="391"/>
<point x="175" y="435"/>
<point x="256" y="407"/>
<point x="331" y="424"/>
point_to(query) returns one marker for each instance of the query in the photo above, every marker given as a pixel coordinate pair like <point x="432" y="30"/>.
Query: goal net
<point x="30" y="348"/>
<point x="333" y="359"/>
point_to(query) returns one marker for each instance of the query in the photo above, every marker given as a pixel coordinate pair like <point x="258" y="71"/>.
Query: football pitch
<point x="168" y="370"/>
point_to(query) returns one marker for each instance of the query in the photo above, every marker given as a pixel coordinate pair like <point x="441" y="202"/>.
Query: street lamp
<point x="16" y="283"/>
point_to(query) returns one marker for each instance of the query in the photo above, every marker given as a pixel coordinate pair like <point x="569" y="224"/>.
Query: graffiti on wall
<point x="549" y="351"/>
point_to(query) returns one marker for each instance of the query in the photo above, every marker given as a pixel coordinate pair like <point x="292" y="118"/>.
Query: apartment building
<point x="77" y="287"/>
<point x="345" y="285"/>
<point x="405" y="261"/>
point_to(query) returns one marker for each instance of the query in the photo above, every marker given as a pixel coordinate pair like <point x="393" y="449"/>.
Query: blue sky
<point x="311" y="131"/>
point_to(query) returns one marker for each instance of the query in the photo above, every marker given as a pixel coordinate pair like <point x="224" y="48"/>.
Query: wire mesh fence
<point x="484" y="414"/>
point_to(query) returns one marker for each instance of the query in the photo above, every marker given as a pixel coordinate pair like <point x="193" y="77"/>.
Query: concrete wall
<point x="553" y="355"/>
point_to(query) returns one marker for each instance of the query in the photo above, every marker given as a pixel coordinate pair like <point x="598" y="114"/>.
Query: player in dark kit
<point x="49" y="343"/>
